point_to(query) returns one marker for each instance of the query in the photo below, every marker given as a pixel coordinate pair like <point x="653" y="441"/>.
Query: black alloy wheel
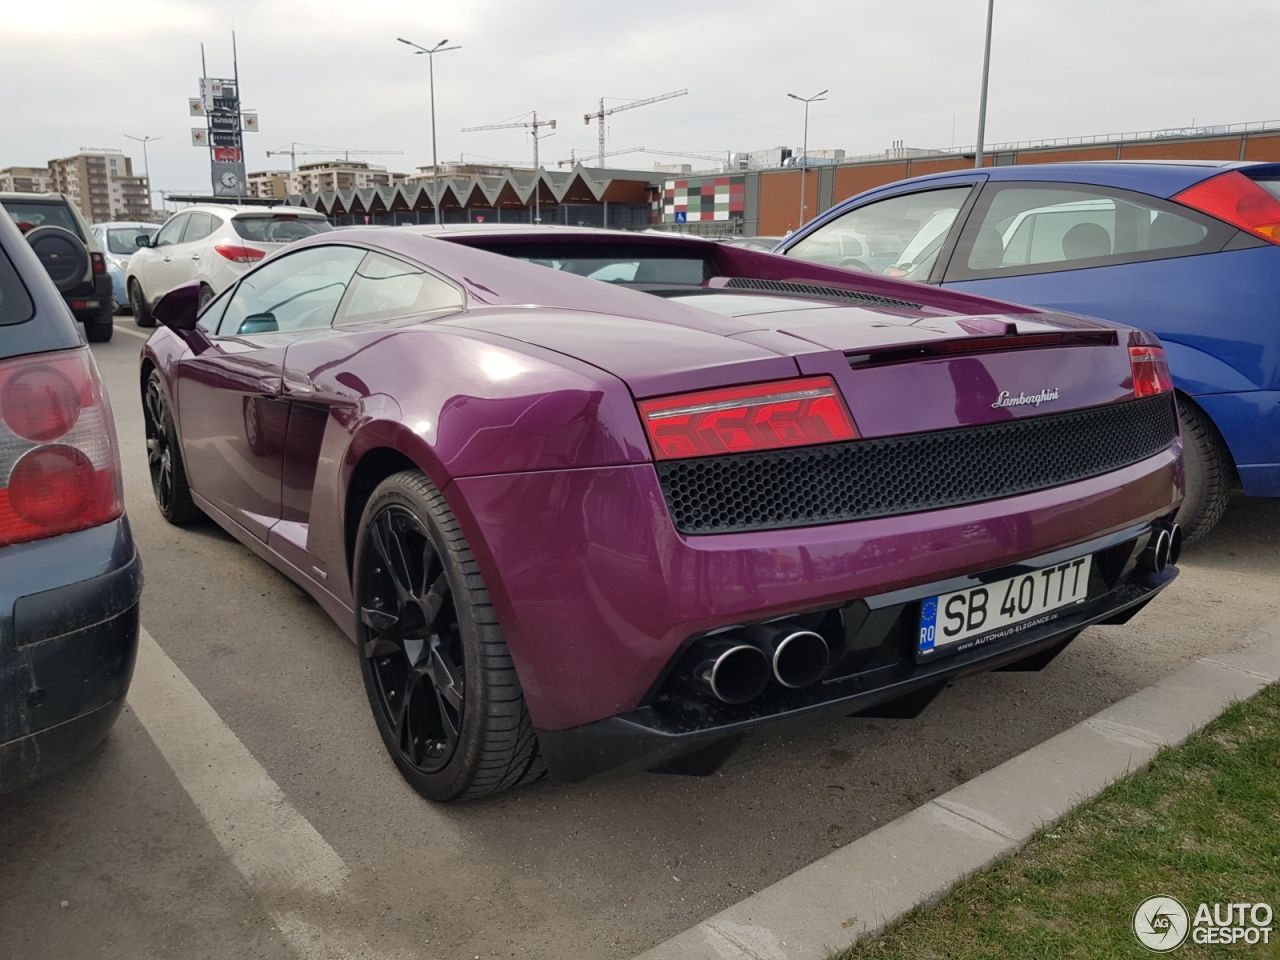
<point x="437" y="671"/>
<point x="138" y="304"/>
<point x="164" y="458"/>
<point x="413" y="640"/>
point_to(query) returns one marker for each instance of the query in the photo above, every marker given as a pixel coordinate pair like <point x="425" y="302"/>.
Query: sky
<point x="79" y="73"/>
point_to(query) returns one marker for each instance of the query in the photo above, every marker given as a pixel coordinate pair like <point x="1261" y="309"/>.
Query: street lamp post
<point x="146" y="164"/>
<point x="804" y="159"/>
<point x="982" y="103"/>
<point x="431" y="73"/>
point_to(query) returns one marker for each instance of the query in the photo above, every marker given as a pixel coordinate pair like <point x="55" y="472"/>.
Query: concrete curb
<point x="917" y="858"/>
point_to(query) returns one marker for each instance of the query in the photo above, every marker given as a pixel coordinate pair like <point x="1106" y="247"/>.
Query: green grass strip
<point x="1201" y="823"/>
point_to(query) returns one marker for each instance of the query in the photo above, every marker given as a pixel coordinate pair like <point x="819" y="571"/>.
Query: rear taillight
<point x="59" y="461"/>
<point x="1235" y="198"/>
<point x="239" y="254"/>
<point x="1150" y="371"/>
<point x="765" y="416"/>
<point x="99" y="262"/>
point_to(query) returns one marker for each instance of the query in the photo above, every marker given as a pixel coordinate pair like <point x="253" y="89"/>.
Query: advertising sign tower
<point x="225" y="125"/>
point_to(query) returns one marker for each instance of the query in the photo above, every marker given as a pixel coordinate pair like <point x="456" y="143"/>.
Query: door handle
<point x="195" y="256"/>
<point x="167" y="259"/>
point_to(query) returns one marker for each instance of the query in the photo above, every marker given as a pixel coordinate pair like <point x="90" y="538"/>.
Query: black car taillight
<point x="59" y="459"/>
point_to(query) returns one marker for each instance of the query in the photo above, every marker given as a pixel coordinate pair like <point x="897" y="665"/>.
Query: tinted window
<point x="171" y="232"/>
<point x="15" y="302"/>
<point x="124" y="240"/>
<point x="280" y="229"/>
<point x="897" y="237"/>
<point x="1024" y="228"/>
<point x="33" y="213"/>
<point x="198" y="227"/>
<point x="385" y="288"/>
<point x="677" y="271"/>
<point x="297" y="292"/>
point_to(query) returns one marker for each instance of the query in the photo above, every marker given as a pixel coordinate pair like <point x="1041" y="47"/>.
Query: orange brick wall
<point x="922" y="168"/>
<point x="1196" y="150"/>
<point x="853" y="180"/>
<point x="1067" y="156"/>
<point x="780" y="201"/>
<point x="1263" y="148"/>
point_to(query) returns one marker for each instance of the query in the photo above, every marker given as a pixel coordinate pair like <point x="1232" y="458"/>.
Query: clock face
<point x="229" y="179"/>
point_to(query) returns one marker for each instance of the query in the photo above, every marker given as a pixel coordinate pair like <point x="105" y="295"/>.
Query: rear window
<point x="123" y="241"/>
<point x="677" y="271"/>
<point x="15" y="302"/>
<point x="34" y="213"/>
<point x="282" y="229"/>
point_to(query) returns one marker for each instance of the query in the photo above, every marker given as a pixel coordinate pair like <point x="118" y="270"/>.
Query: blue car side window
<point x="1025" y="228"/>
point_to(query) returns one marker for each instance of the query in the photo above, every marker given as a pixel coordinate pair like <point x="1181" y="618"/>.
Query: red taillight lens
<point x="39" y="403"/>
<point x="1235" y="198"/>
<point x="239" y="254"/>
<point x="99" y="263"/>
<point x="47" y="488"/>
<point x="738" y="419"/>
<point x="1150" y="371"/>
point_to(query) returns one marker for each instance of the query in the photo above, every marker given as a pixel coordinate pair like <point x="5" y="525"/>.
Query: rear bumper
<point x="68" y="641"/>
<point x="597" y="592"/>
<point x="700" y="736"/>
<point x="94" y="303"/>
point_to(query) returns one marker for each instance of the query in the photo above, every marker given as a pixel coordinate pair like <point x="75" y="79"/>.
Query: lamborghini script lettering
<point x="1009" y="400"/>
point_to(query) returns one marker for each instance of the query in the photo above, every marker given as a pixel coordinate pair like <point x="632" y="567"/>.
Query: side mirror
<point x="258" y="323"/>
<point x="142" y="240"/>
<point x="177" y="309"/>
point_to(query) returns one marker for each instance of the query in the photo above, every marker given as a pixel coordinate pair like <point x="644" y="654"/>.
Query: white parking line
<point x="270" y="843"/>
<point x="120" y="328"/>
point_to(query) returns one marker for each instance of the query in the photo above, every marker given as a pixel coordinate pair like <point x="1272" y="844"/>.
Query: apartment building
<point x="102" y="184"/>
<point x="325" y="176"/>
<point x="26" y="180"/>
<point x="273" y="184"/>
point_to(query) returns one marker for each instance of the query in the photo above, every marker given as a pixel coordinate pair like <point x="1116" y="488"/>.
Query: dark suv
<point x="71" y="256"/>
<point x="70" y="577"/>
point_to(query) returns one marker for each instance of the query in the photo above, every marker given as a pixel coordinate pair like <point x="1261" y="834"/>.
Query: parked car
<point x="1188" y="250"/>
<point x="64" y="244"/>
<point x="70" y="577"/>
<point x="212" y="244"/>
<point x="119" y="239"/>
<point x="753" y="243"/>
<point x="572" y="525"/>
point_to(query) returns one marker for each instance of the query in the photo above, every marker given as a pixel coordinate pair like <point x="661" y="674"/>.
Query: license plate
<point x="997" y="610"/>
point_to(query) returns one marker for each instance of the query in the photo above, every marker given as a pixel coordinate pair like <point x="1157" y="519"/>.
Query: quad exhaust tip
<point x="735" y="672"/>
<point x="1164" y="546"/>
<point x="799" y="657"/>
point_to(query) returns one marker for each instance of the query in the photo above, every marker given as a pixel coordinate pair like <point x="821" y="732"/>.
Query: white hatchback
<point x="215" y="244"/>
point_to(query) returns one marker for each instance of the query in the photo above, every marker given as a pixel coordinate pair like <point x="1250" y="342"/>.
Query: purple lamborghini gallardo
<point x="587" y="500"/>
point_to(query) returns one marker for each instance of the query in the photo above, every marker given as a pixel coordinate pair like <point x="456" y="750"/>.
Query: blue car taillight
<point x="59" y="460"/>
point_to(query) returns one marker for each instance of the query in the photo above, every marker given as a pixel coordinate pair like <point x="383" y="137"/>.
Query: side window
<point x="1019" y="229"/>
<point x="212" y="312"/>
<point x="198" y="227"/>
<point x="896" y="237"/>
<point x="385" y="288"/>
<point x="300" y="291"/>
<point x="171" y="232"/>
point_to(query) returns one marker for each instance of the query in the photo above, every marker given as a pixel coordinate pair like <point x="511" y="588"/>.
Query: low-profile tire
<point x="440" y="680"/>
<point x="164" y="456"/>
<point x="1209" y="473"/>
<point x="100" y="329"/>
<point x="138" y="304"/>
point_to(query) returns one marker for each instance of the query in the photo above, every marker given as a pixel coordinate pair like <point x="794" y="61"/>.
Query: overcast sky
<point x="86" y="73"/>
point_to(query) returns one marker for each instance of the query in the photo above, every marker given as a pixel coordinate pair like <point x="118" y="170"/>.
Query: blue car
<point x="1188" y="250"/>
<point x="120" y="241"/>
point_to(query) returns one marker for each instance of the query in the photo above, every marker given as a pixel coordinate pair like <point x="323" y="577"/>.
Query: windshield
<point x="123" y="241"/>
<point x="32" y="213"/>
<point x="279" y="229"/>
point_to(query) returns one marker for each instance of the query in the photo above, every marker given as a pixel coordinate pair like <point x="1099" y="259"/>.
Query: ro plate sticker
<point x="928" y="624"/>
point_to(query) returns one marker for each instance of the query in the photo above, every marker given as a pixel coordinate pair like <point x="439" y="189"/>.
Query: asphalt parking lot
<point x="121" y="858"/>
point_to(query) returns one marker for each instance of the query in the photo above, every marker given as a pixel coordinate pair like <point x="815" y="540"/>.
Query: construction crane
<point x="601" y="113"/>
<point x="532" y="125"/>
<point x="612" y="153"/>
<point x="293" y="152"/>
<point x="726" y="159"/>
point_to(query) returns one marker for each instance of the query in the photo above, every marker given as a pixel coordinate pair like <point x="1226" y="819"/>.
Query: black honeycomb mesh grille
<point x="817" y="290"/>
<point x="859" y="479"/>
